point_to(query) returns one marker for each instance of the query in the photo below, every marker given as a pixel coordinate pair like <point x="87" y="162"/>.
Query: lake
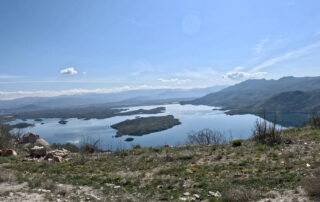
<point x="193" y="118"/>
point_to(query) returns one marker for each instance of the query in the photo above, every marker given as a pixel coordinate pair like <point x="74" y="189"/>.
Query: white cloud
<point x="69" y="71"/>
<point x="244" y="75"/>
<point x="261" y="45"/>
<point x="289" y="55"/>
<point x="173" y="80"/>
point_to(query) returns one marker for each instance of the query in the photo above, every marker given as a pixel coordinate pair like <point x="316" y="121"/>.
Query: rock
<point x="215" y="194"/>
<point x="196" y="196"/>
<point x="186" y="194"/>
<point x="58" y="159"/>
<point x="42" y="142"/>
<point x="57" y="152"/>
<point x="38" y="152"/>
<point x="30" y="138"/>
<point x="8" y="152"/>
<point x="129" y="139"/>
<point x="183" y="199"/>
<point x="116" y="187"/>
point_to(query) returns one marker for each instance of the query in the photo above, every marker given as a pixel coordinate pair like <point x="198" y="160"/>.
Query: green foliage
<point x="145" y="125"/>
<point x="236" y="142"/>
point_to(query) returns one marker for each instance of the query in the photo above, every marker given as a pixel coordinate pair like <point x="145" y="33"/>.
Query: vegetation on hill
<point x="287" y="102"/>
<point x="145" y="125"/>
<point x="272" y="164"/>
<point x="248" y="93"/>
<point x="98" y="112"/>
<point x="249" y="171"/>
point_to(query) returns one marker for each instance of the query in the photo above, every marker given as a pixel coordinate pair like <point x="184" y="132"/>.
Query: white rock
<point x="308" y="165"/>
<point x="215" y="194"/>
<point x="182" y="198"/>
<point x="116" y="187"/>
<point x="196" y="196"/>
<point x="186" y="194"/>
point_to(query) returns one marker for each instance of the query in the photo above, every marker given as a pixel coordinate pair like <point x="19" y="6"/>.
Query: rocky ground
<point x="215" y="172"/>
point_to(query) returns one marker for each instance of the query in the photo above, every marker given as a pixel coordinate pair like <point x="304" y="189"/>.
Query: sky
<point x="50" y="48"/>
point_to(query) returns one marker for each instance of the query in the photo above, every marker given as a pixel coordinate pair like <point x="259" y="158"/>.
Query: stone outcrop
<point x="40" y="153"/>
<point x="30" y="138"/>
<point x="8" y="152"/>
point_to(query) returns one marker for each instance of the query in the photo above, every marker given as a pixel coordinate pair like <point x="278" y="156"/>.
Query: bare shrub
<point x="205" y="136"/>
<point x="314" y="121"/>
<point x="240" y="194"/>
<point x="266" y="133"/>
<point x="312" y="184"/>
<point x="89" y="145"/>
<point x="6" y="139"/>
<point x="7" y="176"/>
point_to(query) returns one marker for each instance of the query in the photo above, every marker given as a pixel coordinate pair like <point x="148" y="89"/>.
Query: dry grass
<point x="312" y="184"/>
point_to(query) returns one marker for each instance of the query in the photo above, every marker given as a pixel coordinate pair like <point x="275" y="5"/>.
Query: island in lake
<point x="145" y="125"/>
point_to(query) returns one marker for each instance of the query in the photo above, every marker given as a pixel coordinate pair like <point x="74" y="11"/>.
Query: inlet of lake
<point x="192" y="118"/>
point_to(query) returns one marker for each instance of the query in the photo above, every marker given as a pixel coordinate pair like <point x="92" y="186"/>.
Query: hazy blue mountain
<point x="251" y="92"/>
<point x="134" y="96"/>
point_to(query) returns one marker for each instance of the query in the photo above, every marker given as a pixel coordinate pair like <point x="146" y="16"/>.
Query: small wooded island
<point x="145" y="125"/>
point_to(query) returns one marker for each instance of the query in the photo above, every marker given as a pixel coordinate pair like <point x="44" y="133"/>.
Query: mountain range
<point x="120" y="98"/>
<point x="288" y="94"/>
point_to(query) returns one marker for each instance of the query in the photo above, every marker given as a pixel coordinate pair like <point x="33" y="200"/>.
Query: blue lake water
<point x="193" y="118"/>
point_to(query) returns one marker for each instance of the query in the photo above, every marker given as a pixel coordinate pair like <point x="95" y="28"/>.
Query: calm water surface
<point x="192" y="117"/>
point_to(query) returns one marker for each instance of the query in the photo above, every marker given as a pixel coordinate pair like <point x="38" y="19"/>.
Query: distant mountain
<point x="296" y="101"/>
<point x="249" y="93"/>
<point x="125" y="97"/>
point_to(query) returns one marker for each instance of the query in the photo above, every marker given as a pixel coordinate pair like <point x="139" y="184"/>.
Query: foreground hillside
<point x="238" y="171"/>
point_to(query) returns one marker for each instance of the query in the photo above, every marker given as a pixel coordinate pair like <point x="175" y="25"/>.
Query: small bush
<point x="266" y="133"/>
<point x="7" y="140"/>
<point x="312" y="184"/>
<point x="236" y="142"/>
<point x="206" y="136"/>
<point x="314" y="121"/>
<point x="89" y="145"/>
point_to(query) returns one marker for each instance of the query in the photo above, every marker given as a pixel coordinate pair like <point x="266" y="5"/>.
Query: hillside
<point x="251" y="92"/>
<point x="296" y="101"/>
<point x="207" y="172"/>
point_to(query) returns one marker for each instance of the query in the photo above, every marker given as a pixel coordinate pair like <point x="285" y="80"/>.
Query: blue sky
<point x="73" y="46"/>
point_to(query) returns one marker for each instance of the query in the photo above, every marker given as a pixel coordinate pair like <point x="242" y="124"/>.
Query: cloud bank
<point x="4" y="95"/>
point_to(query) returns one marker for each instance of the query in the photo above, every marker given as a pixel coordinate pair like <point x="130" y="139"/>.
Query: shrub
<point x="205" y="136"/>
<point x="312" y="184"/>
<point x="266" y="133"/>
<point x="314" y="121"/>
<point x="236" y="142"/>
<point x="89" y="145"/>
<point x="6" y="139"/>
